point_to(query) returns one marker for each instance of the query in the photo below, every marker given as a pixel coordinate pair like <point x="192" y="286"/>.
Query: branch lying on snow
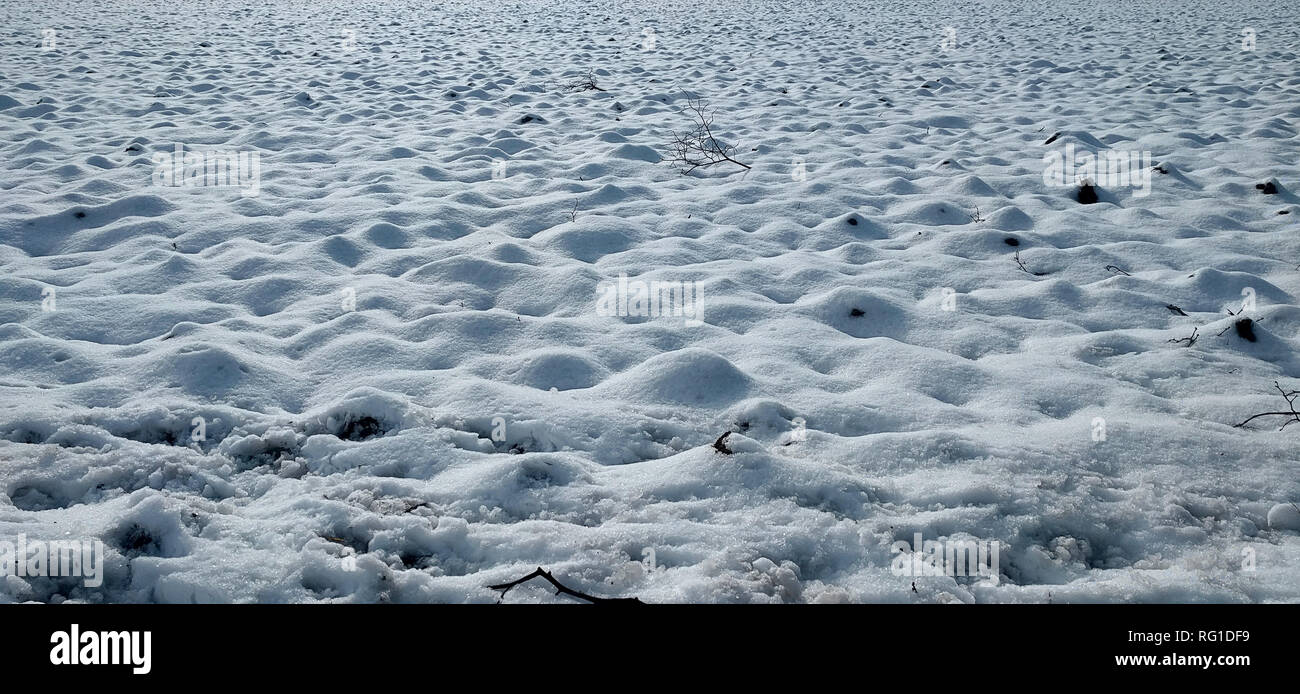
<point x="584" y="83"/>
<point x="1021" y="264"/>
<point x="561" y="589"/>
<point x="1292" y="416"/>
<point x="1190" y="340"/>
<point x="699" y="148"/>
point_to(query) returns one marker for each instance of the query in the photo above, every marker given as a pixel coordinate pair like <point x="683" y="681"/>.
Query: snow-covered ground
<point x="384" y="368"/>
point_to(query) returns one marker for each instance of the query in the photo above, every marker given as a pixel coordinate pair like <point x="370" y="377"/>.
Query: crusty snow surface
<point x="348" y="455"/>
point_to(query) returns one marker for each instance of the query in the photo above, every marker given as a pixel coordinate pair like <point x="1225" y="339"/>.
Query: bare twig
<point x="584" y="83"/>
<point x="1021" y="264"/>
<point x="698" y="148"/>
<point x="1117" y="270"/>
<point x="1292" y="417"/>
<point x="1190" y="340"/>
<point x="561" y="589"/>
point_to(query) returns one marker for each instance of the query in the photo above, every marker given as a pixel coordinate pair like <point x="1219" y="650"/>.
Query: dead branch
<point x="1292" y="416"/>
<point x="1021" y="264"/>
<point x="1190" y="340"/>
<point x="698" y="147"/>
<point x="561" y="589"/>
<point x="584" y="83"/>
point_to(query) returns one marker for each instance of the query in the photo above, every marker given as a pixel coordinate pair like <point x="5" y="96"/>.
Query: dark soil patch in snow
<point x="1246" y="329"/>
<point x="361" y="428"/>
<point x="37" y="496"/>
<point x="1087" y="194"/>
<point x="26" y="436"/>
<point x="135" y="540"/>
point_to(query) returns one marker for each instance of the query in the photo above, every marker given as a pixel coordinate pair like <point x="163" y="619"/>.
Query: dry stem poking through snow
<point x="1292" y="416"/>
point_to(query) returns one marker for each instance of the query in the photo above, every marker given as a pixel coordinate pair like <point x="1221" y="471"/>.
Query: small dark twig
<point x="721" y="444"/>
<point x="1245" y="328"/>
<point x="1116" y="270"/>
<point x="1021" y="263"/>
<point x="1292" y="417"/>
<point x="560" y="589"/>
<point x="1190" y="340"/>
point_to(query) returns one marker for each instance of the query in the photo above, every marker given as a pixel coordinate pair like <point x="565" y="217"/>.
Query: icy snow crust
<point x="349" y="455"/>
